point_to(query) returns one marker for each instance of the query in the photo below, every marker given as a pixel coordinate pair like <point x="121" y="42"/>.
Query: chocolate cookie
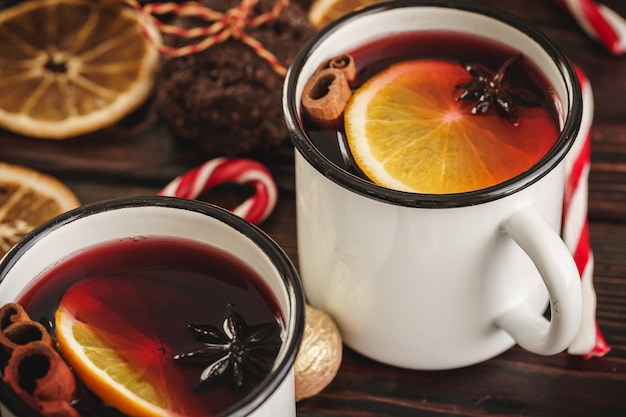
<point x="227" y="99"/>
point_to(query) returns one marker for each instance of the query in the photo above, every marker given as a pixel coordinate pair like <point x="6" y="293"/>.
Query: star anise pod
<point x="237" y="350"/>
<point x="488" y="88"/>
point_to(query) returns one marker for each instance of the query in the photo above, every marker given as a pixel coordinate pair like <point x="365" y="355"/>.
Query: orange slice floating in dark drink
<point x="407" y="131"/>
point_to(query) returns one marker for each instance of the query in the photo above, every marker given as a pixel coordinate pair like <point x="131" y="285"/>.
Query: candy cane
<point x="589" y="341"/>
<point x="600" y="22"/>
<point x="224" y="170"/>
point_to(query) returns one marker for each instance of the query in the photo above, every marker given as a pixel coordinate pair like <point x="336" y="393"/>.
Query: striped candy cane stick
<point x="589" y="341"/>
<point x="600" y="22"/>
<point x="224" y="170"/>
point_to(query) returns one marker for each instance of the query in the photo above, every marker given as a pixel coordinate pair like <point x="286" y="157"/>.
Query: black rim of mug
<point x="280" y="260"/>
<point x="366" y="188"/>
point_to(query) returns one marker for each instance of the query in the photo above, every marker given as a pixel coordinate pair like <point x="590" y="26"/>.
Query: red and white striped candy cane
<point x="226" y="170"/>
<point x="589" y="341"/>
<point x="600" y="22"/>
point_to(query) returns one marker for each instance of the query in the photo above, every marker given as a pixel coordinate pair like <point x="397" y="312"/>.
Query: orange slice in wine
<point x="407" y="131"/>
<point x="114" y="349"/>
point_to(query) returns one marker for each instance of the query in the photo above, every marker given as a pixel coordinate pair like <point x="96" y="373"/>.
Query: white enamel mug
<point x="437" y="281"/>
<point x="166" y="216"/>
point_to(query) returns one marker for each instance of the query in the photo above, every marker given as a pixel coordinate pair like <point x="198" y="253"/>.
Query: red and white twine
<point x="225" y="170"/>
<point x="220" y="27"/>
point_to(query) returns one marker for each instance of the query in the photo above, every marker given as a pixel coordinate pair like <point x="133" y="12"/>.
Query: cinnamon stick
<point x="12" y="313"/>
<point x="23" y="332"/>
<point x="325" y="96"/>
<point x="40" y="377"/>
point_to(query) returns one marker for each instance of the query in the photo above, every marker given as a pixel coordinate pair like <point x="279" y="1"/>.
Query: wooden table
<point x="139" y="156"/>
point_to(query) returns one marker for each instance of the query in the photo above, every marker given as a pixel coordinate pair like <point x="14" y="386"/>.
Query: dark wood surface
<point x="139" y="156"/>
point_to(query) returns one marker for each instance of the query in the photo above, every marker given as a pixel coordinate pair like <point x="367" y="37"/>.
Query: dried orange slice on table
<point x="322" y="12"/>
<point x="407" y="131"/>
<point x="69" y="67"/>
<point x="28" y="198"/>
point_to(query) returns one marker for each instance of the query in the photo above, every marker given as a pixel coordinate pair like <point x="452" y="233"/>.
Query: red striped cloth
<point x="575" y="230"/>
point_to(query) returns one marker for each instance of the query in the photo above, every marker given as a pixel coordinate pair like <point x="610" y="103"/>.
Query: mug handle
<point x="556" y="266"/>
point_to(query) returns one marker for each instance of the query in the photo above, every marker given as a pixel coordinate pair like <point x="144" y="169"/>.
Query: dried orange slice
<point x="322" y="12"/>
<point x="28" y="198"/>
<point x="407" y="131"/>
<point x="69" y="67"/>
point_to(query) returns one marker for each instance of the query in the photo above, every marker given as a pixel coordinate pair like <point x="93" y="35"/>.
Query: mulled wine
<point x="440" y="112"/>
<point x="151" y="298"/>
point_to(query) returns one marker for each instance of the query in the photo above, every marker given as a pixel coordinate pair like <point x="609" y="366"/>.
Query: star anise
<point x="237" y="350"/>
<point x="488" y="88"/>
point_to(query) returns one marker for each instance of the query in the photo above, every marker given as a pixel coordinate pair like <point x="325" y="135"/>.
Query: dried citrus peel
<point x="28" y="198"/>
<point x="71" y="67"/>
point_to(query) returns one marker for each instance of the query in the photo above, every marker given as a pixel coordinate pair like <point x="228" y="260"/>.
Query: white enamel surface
<point x="418" y="288"/>
<point x="281" y="403"/>
<point x="560" y="274"/>
<point x="5" y="412"/>
<point x="422" y="288"/>
<point x="139" y="223"/>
